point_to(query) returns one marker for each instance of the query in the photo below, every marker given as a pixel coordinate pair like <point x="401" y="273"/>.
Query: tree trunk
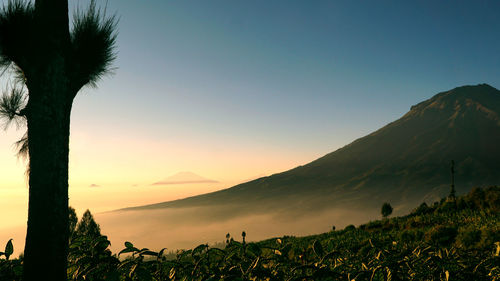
<point x="48" y="115"/>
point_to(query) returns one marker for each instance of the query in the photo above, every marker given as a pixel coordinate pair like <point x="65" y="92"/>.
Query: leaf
<point x="373" y="272"/>
<point x="254" y="249"/>
<point x="147" y="252"/>
<point x="253" y="265"/>
<point x="9" y="249"/>
<point x="389" y="274"/>
<point x="318" y="249"/>
<point x="171" y="274"/>
<point x="102" y="243"/>
<point x="199" y="249"/>
<point x="216" y="251"/>
<point x="132" y="270"/>
<point x="160" y="253"/>
<point x="128" y="250"/>
<point x="128" y="244"/>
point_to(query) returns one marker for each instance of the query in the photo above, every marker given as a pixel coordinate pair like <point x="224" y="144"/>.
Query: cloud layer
<point x="184" y="178"/>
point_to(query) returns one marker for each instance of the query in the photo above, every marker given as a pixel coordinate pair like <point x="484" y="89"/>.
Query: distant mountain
<point x="404" y="163"/>
<point x="184" y="178"/>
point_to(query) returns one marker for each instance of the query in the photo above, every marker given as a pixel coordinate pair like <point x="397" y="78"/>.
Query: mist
<point x="184" y="228"/>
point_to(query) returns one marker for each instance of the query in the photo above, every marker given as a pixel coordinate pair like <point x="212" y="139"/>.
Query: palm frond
<point x="16" y="30"/>
<point x="12" y="101"/>
<point x="93" y="41"/>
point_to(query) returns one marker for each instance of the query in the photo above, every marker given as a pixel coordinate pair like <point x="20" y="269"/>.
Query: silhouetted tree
<point x="51" y="64"/>
<point x="386" y="210"/>
<point x="88" y="227"/>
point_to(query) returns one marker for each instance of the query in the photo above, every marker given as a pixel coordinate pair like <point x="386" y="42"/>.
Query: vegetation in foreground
<point x="455" y="239"/>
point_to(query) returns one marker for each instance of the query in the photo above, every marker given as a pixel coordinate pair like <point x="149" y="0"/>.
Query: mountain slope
<point x="405" y="162"/>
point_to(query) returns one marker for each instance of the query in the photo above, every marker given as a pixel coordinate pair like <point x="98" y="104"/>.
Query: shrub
<point x="414" y="222"/>
<point x="492" y="198"/>
<point x="488" y="237"/>
<point x="446" y="207"/>
<point x="468" y="237"/>
<point x="350" y="227"/>
<point x="441" y="235"/>
<point x="422" y="209"/>
<point x="476" y="198"/>
<point x="419" y="235"/>
<point x="373" y="225"/>
<point x="462" y="204"/>
<point x="388" y="225"/>
<point x="406" y="236"/>
<point x="386" y="210"/>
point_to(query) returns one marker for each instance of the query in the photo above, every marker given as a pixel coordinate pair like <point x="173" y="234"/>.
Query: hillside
<point x="405" y="162"/>
<point x="448" y="240"/>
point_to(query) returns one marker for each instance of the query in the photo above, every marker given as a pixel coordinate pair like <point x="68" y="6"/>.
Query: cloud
<point x="183" y="182"/>
<point x="94" y="185"/>
<point x="184" y="178"/>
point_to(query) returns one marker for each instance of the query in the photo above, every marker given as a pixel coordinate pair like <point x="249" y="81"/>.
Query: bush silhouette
<point x="88" y="227"/>
<point x="386" y="210"/>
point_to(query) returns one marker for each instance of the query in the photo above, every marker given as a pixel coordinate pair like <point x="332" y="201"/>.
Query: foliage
<point x="386" y="210"/>
<point x="468" y="237"/>
<point x="441" y="235"/>
<point x="432" y="245"/>
<point x="73" y="220"/>
<point x="90" y="259"/>
<point x="12" y="102"/>
<point x="16" y="34"/>
<point x="87" y="226"/>
<point x="93" y="41"/>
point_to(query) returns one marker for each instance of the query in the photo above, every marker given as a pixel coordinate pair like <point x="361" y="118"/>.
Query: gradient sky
<point x="232" y="90"/>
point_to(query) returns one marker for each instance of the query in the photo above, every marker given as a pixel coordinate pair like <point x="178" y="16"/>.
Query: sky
<point x="233" y="90"/>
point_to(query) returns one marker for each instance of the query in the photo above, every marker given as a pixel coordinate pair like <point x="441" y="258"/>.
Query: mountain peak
<point x="469" y="91"/>
<point x="404" y="163"/>
<point x="482" y="97"/>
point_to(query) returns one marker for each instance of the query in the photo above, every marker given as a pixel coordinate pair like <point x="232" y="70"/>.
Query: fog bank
<point x="183" y="228"/>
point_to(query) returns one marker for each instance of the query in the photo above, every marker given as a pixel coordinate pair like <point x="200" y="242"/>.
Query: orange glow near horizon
<point x="111" y="172"/>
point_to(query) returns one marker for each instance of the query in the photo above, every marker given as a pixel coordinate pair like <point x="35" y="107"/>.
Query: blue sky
<point x="305" y="76"/>
<point x="274" y="83"/>
<point x="232" y="90"/>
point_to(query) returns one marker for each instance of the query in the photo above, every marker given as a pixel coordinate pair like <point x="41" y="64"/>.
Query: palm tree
<point x="52" y="63"/>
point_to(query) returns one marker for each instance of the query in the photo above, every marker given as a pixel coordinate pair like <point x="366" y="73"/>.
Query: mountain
<point x="403" y="163"/>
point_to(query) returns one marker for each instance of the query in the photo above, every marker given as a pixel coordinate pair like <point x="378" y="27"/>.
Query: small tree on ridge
<point x="386" y="210"/>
